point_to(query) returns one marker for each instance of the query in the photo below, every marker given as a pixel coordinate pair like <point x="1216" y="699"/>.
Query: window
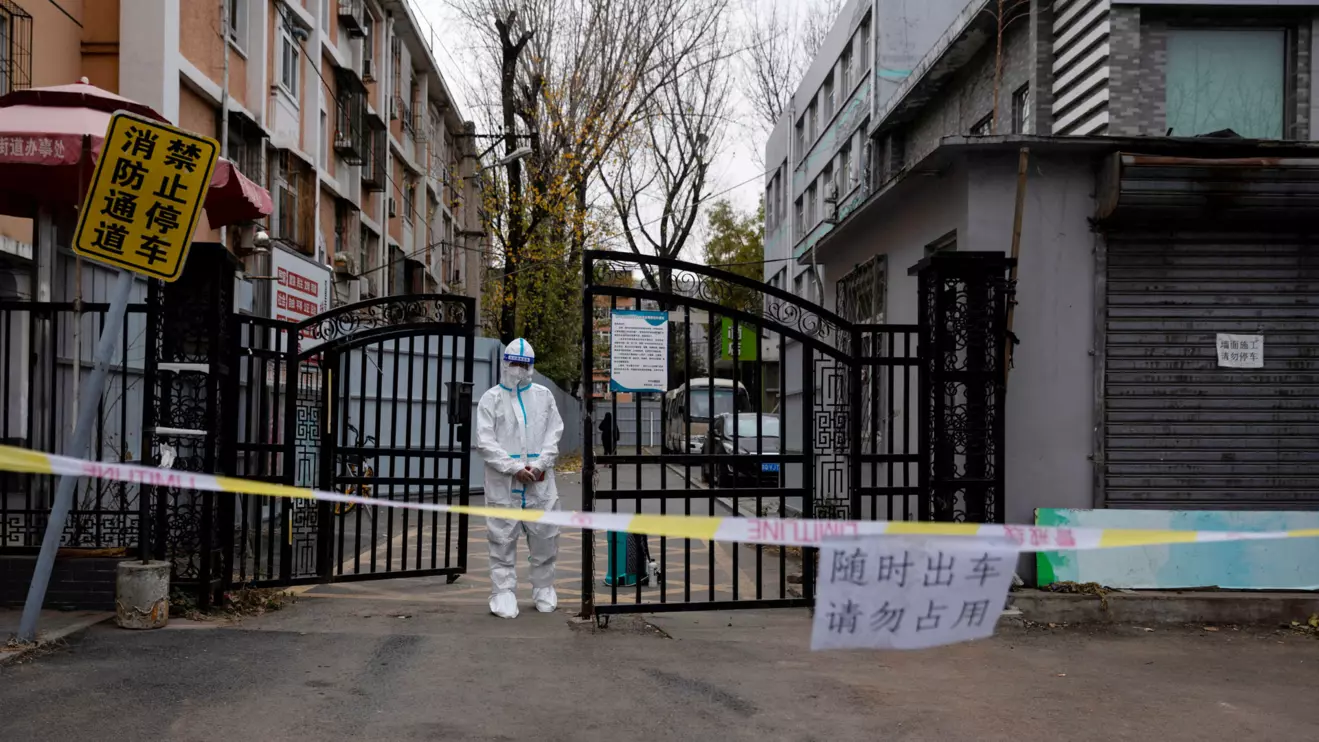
<point x="983" y="127"/>
<point x="287" y="177"/>
<point x="946" y="243"/>
<point x="289" y="60"/>
<point x="324" y="154"/>
<point x="828" y="96"/>
<point x="801" y="137"/>
<point x="777" y="279"/>
<point x="396" y="60"/>
<point x="845" y="175"/>
<point x="409" y="198"/>
<point x="863" y="54"/>
<point x="15" y="48"/>
<point x="1226" y="79"/>
<point x="325" y="16"/>
<point x="368" y="44"/>
<point x="812" y="197"/>
<point x="1021" y="111"/>
<point x="845" y="71"/>
<point x="812" y="121"/>
<point x="859" y="296"/>
<point x="236" y="23"/>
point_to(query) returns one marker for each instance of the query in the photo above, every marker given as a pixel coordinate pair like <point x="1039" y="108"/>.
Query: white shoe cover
<point x="504" y="605"/>
<point x="546" y="599"/>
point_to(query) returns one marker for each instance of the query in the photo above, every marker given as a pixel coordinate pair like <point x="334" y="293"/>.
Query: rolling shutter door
<point x="1182" y="433"/>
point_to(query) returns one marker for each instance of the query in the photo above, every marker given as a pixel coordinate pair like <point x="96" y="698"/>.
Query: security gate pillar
<point x="964" y="298"/>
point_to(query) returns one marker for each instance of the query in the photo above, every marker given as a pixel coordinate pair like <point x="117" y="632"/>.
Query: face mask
<point x="518" y="376"/>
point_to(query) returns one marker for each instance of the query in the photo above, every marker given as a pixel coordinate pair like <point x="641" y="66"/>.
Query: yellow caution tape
<point x="770" y="531"/>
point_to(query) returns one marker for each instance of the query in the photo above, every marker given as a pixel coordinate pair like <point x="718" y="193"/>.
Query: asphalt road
<point x="412" y="667"/>
<point x="418" y="659"/>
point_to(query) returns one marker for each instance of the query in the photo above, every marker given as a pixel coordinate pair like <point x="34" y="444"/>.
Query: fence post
<point x="588" y="449"/>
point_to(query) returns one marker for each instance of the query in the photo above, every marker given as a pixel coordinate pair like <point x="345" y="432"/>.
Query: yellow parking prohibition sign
<point x="146" y="196"/>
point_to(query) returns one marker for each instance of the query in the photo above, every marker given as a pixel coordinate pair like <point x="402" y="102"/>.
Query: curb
<point x="1148" y="607"/>
<point x="46" y="638"/>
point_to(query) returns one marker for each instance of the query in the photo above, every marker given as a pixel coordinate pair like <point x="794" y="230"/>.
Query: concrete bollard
<point x="142" y="595"/>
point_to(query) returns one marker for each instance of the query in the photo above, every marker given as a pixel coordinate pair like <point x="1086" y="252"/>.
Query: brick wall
<point x="969" y="97"/>
<point x="1138" y="97"/>
<point x="75" y="584"/>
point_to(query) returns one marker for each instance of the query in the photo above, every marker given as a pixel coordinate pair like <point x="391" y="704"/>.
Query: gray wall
<point x="1050" y="403"/>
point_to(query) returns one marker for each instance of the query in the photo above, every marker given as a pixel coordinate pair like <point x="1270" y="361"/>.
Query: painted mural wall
<point x="1289" y="564"/>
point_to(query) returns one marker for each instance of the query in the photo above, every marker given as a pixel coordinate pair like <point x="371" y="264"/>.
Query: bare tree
<point x="780" y="46"/>
<point x="659" y="177"/>
<point x="575" y="77"/>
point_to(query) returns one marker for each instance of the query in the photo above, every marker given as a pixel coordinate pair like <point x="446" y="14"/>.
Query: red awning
<point x="234" y="198"/>
<point x="42" y="136"/>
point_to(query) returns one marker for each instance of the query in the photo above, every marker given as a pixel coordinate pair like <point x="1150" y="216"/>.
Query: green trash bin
<point x="628" y="559"/>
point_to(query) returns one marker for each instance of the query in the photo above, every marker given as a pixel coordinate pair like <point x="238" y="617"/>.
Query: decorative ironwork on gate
<point x="964" y="299"/>
<point x="852" y="427"/>
<point x="363" y="416"/>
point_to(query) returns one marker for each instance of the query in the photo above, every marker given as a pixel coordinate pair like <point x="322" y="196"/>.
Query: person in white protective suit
<point x="517" y="430"/>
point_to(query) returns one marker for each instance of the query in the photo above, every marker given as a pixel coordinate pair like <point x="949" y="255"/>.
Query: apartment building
<point x="817" y="155"/>
<point x="337" y="107"/>
<point x="1165" y="220"/>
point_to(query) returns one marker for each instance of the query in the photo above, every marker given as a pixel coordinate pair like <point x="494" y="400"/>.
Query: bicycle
<point x="355" y="467"/>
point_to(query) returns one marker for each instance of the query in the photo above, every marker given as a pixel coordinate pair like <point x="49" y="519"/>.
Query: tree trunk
<point x="511" y="50"/>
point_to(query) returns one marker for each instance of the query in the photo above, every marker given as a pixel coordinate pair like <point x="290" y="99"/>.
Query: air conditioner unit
<point x="345" y="264"/>
<point x="369" y="70"/>
<point x="353" y="291"/>
<point x="393" y="208"/>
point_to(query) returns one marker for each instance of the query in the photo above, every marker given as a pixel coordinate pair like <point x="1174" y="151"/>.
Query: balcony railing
<point x="350" y="130"/>
<point x="352" y="17"/>
<point x="377" y="155"/>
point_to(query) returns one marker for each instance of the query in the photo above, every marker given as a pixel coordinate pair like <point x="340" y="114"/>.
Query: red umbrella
<point x="43" y="132"/>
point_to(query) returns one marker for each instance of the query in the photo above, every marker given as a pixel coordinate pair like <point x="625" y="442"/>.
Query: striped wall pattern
<point x="1081" y="48"/>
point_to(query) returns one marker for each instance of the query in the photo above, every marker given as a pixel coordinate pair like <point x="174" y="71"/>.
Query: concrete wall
<point x="1050" y="409"/>
<point x="1050" y="396"/>
<point x="905" y="31"/>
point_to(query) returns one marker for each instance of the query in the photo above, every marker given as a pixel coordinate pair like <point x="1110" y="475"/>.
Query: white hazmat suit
<point x="518" y="427"/>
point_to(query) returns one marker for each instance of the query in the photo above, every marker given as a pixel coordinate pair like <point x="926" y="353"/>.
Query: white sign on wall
<point x="639" y="351"/>
<point x="301" y="289"/>
<point x="887" y="592"/>
<point x="1240" y="351"/>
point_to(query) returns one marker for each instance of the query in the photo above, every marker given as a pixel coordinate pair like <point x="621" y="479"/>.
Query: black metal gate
<point x="775" y="406"/>
<point x="366" y="414"/>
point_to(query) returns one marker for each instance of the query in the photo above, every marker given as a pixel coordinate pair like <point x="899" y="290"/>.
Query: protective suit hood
<point x="513" y="378"/>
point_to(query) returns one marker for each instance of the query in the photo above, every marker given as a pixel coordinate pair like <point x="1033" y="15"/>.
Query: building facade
<point x="337" y="107"/>
<point x="1164" y="222"/>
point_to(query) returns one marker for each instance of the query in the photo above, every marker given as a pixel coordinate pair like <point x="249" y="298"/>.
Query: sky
<point x="737" y="170"/>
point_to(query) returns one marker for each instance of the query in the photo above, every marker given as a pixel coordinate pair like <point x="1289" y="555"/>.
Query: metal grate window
<point x="860" y="294"/>
<point x="15" y="48"/>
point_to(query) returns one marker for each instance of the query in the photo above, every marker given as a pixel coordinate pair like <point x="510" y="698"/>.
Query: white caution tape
<point x="770" y="531"/>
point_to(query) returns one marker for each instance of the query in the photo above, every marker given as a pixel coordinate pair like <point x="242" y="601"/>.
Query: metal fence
<point x="45" y="356"/>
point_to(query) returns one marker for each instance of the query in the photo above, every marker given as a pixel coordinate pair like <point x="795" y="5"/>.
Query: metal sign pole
<point x="82" y="439"/>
